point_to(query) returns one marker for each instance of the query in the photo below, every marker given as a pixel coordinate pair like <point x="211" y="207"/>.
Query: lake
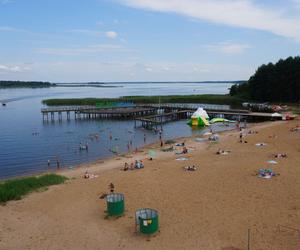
<point x="27" y="143"/>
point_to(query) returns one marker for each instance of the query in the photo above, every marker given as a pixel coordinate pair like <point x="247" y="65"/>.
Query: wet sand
<point x="210" y="208"/>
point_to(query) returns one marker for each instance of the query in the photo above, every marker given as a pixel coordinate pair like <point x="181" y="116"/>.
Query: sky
<point x="144" y="40"/>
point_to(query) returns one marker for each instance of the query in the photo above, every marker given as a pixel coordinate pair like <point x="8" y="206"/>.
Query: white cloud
<point x="98" y="48"/>
<point x="13" y="68"/>
<point x="148" y="69"/>
<point x="87" y="32"/>
<point x="6" y="1"/>
<point x="228" y="47"/>
<point x="111" y="34"/>
<point x="11" y="29"/>
<point x="238" y="13"/>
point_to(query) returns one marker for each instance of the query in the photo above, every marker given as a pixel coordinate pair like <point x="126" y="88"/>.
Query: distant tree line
<point x="25" y="84"/>
<point x="278" y="82"/>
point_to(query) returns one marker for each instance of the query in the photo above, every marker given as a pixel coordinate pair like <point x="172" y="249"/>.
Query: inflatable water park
<point x="200" y="118"/>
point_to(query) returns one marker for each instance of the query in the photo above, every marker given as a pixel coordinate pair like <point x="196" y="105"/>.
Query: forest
<point x="279" y="82"/>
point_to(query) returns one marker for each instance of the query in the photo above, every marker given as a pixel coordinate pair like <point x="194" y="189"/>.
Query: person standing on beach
<point x="57" y="163"/>
<point x="144" y="138"/>
<point x="241" y="137"/>
<point x="48" y="163"/>
<point x="238" y="125"/>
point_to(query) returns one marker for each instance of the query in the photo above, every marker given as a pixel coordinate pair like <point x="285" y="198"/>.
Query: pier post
<point x="59" y="116"/>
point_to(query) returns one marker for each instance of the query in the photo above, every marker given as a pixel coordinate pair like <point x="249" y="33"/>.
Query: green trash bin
<point x="147" y="220"/>
<point x="115" y="204"/>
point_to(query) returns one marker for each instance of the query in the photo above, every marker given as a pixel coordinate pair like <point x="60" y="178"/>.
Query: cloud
<point x="237" y="13"/>
<point x="228" y="47"/>
<point x="123" y="70"/>
<point x="111" y="34"/>
<point x="11" y="29"/>
<point x="6" y="1"/>
<point x="98" y="48"/>
<point x="13" y="68"/>
<point x="87" y="32"/>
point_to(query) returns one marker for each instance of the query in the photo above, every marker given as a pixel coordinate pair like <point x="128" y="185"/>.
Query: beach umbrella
<point x="151" y="153"/>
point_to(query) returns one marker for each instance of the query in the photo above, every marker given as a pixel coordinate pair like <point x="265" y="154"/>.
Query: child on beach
<point x="126" y="167"/>
<point x="111" y="187"/>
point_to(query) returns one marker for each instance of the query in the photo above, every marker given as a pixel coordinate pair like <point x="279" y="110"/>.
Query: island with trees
<point x="25" y="84"/>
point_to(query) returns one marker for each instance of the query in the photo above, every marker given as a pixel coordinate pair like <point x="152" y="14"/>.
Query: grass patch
<point x="15" y="189"/>
<point x="209" y="99"/>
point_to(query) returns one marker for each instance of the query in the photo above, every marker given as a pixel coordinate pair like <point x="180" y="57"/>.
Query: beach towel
<point x="272" y="162"/>
<point x="182" y="159"/>
<point x="200" y="139"/>
<point x="261" y="144"/>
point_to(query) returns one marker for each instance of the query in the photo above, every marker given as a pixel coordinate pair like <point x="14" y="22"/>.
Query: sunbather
<point x="222" y="152"/>
<point x="190" y="168"/>
<point x="280" y="155"/>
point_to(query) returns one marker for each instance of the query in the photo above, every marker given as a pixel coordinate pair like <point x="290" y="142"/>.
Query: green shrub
<point x="15" y="189"/>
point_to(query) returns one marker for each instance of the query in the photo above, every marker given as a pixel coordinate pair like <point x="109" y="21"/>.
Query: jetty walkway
<point x="152" y="115"/>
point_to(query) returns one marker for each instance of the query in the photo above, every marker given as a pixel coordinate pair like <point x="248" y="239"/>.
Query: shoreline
<point x="108" y="163"/>
<point x="99" y="165"/>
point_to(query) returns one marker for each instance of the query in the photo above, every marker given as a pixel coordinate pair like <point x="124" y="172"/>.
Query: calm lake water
<point x="26" y="143"/>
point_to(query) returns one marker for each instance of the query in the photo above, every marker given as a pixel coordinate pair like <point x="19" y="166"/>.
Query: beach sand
<point x="211" y="208"/>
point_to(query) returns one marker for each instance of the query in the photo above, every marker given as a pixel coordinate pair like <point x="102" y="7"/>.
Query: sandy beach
<point x="211" y="208"/>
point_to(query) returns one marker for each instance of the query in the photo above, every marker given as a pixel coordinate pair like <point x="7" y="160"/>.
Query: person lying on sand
<point x="89" y="176"/>
<point x="281" y="155"/>
<point x="260" y="144"/>
<point x="266" y="173"/>
<point x="251" y="132"/>
<point x="168" y="149"/>
<point x="223" y="152"/>
<point x="190" y="168"/>
<point x="139" y="164"/>
<point x="295" y="129"/>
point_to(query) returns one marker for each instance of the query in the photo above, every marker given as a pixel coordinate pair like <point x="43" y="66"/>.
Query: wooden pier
<point x="152" y="115"/>
<point x="92" y="112"/>
<point x="152" y="121"/>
